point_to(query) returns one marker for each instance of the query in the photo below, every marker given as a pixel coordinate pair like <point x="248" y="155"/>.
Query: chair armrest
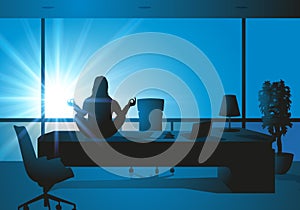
<point x="51" y="163"/>
<point x="60" y="167"/>
<point x="50" y="169"/>
<point x="56" y="162"/>
<point x="41" y="160"/>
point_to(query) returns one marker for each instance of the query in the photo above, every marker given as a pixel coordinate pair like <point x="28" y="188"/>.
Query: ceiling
<point x="149" y="8"/>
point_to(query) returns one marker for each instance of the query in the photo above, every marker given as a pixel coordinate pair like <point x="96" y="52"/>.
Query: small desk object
<point x="245" y="159"/>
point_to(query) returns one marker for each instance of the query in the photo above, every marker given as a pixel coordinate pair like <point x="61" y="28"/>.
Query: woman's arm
<point x="117" y="109"/>
<point x="78" y="110"/>
<point x="121" y="113"/>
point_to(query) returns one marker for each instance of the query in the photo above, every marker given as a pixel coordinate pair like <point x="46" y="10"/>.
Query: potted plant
<point x="275" y="104"/>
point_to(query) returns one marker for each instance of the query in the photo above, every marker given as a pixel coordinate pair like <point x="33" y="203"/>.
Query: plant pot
<point x="283" y="162"/>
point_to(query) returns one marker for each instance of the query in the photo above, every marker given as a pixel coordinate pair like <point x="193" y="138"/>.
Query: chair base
<point x="46" y="198"/>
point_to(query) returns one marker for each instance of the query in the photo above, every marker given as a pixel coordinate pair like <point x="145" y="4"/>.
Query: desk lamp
<point x="229" y="108"/>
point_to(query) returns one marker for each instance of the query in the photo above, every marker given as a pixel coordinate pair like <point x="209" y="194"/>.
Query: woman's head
<point x="100" y="88"/>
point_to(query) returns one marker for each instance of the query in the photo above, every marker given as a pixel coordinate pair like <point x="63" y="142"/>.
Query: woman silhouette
<point x="99" y="108"/>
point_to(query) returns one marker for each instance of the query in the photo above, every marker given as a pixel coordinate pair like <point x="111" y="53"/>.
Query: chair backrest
<point x="27" y="150"/>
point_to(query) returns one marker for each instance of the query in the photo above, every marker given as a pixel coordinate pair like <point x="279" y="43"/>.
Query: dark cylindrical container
<point x="150" y="114"/>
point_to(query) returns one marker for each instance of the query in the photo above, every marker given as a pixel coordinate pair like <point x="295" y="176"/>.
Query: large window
<point x="272" y="54"/>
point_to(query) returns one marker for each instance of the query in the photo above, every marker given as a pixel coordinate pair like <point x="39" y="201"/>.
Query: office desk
<point x="245" y="159"/>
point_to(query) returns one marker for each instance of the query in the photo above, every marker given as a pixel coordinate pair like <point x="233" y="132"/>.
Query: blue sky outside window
<point x="272" y="54"/>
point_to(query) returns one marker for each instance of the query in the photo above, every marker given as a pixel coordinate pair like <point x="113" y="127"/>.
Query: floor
<point x="189" y="188"/>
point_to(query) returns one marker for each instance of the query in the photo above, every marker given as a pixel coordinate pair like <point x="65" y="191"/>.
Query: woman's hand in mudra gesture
<point x="132" y="101"/>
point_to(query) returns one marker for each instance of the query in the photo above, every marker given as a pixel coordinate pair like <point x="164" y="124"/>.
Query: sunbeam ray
<point x="9" y="49"/>
<point x="79" y="46"/>
<point x="33" y="42"/>
<point x="20" y="68"/>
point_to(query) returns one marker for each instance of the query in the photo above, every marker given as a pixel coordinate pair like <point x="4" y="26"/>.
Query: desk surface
<point x="243" y="135"/>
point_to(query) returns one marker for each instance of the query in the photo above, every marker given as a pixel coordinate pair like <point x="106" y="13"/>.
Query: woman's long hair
<point x="103" y="112"/>
<point x="100" y="88"/>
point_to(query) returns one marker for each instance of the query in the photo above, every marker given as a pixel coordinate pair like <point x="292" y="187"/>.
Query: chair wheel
<point x="58" y="207"/>
<point x="25" y="208"/>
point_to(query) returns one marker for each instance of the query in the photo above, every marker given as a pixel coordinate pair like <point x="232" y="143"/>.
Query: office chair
<point x="41" y="170"/>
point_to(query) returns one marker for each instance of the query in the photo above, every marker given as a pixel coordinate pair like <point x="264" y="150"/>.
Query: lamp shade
<point x="229" y="106"/>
